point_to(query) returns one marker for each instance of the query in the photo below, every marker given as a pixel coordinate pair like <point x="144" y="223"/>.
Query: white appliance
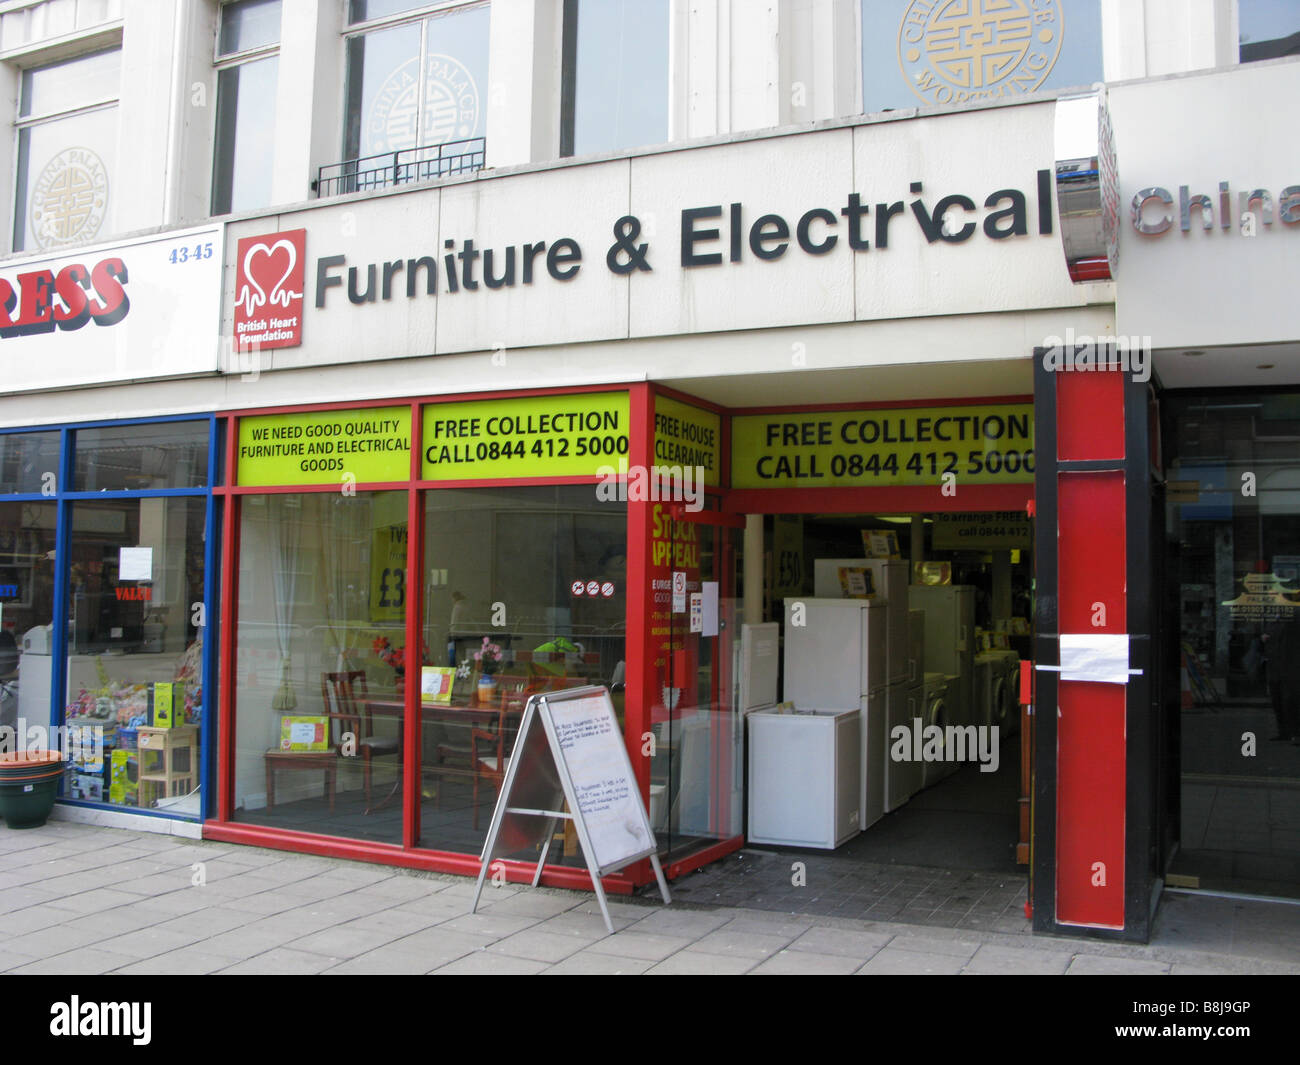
<point x="982" y="693"/>
<point x="903" y="702"/>
<point x="38" y="641"/>
<point x="35" y="677"/>
<point x="949" y="634"/>
<point x="889" y="579"/>
<point x="934" y="703"/>
<point x="835" y="660"/>
<point x="1005" y="692"/>
<point x="804" y="780"/>
<point x="757" y="667"/>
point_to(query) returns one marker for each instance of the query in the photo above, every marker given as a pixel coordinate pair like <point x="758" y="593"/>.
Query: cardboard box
<point x="167" y="704"/>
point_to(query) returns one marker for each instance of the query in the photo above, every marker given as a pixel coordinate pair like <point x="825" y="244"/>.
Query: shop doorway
<point x="696" y="745"/>
<point x="941" y="837"/>
<point x="1232" y="615"/>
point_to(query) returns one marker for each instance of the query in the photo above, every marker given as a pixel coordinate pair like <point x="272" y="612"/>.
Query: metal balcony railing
<point x="401" y="167"/>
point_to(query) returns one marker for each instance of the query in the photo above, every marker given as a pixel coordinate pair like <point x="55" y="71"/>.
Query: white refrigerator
<point x="835" y="660"/>
<point x="902" y="779"/>
<point x="889" y="579"/>
<point x="950" y="639"/>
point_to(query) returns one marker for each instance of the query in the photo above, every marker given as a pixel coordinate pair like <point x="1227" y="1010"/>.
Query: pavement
<point x="85" y="899"/>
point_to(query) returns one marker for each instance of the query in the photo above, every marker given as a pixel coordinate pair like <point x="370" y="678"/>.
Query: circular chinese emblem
<point x="450" y="111"/>
<point x="952" y="51"/>
<point x="69" y="199"/>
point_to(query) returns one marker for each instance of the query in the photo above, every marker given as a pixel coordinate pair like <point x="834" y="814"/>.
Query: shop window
<point x="134" y="700"/>
<point x="420" y="82"/>
<point x="67" y="137"/>
<point x="616" y="76"/>
<point x="1268" y="29"/>
<point x="247" y="73"/>
<point x="29" y="462"/>
<point x="115" y="458"/>
<point x="925" y="54"/>
<point x="26" y="614"/>
<point x="525" y="592"/>
<point x="322" y="663"/>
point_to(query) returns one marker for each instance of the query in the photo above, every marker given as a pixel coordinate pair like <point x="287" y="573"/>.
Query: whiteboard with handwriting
<point x="585" y="737"/>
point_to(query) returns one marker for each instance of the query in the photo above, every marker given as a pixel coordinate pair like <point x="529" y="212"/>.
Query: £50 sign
<point x="268" y="290"/>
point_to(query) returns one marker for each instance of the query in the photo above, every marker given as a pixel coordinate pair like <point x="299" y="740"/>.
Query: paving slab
<point x="1017" y="961"/>
<point x="698" y="963"/>
<point x="483" y="963"/>
<point x="641" y="945"/>
<point x="806" y="963"/>
<point x="282" y="961"/>
<point x="895" y="962"/>
<point x="587" y="963"/>
<point x="1100" y="965"/>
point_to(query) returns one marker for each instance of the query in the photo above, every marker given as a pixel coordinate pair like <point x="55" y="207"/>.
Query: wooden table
<point x="469" y="716"/>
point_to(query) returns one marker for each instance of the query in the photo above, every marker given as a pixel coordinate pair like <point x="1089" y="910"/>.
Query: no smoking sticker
<point x="577" y="587"/>
<point x="607" y="589"/>
<point x="593" y="587"/>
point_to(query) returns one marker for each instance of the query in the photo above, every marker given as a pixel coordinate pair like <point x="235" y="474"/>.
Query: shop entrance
<point x="1232" y="615"/>
<point x="940" y="828"/>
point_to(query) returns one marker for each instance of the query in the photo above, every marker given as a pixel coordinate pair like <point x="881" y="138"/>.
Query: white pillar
<point x="525" y="52"/>
<point x="308" y="97"/>
<point x="820" y="60"/>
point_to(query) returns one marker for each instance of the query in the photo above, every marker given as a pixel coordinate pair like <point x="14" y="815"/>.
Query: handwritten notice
<point x="606" y="790"/>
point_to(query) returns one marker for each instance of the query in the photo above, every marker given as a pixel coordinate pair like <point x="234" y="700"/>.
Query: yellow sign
<point x="325" y="447"/>
<point x="535" y="436"/>
<point x="688" y="436"/>
<point x="876" y="448"/>
<point x="388" y="573"/>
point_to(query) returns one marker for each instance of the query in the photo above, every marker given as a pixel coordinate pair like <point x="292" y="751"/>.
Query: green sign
<point x="325" y="447"/>
<point x="535" y="436"/>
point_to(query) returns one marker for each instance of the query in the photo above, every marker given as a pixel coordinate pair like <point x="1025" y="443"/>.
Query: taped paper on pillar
<point x="1098" y="657"/>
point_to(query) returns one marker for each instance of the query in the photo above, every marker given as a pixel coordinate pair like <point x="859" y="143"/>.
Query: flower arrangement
<point x="394" y="656"/>
<point x="488" y="657"/>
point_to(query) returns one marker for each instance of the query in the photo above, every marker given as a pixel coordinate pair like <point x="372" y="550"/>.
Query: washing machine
<point x="1005" y="692"/>
<point x="902" y="776"/>
<point x="934" y="698"/>
<point x="984" y="708"/>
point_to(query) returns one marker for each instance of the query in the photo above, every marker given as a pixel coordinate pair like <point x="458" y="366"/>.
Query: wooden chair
<point x="342" y="693"/>
<point x="491" y="747"/>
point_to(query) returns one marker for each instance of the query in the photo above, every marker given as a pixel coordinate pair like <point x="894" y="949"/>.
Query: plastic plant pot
<point x="29" y="782"/>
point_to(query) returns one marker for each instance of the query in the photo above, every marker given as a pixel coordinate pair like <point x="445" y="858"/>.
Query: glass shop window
<point x="125" y="457"/>
<point x="617" y="58"/>
<point x="525" y="591"/>
<point x="67" y="141"/>
<point x="29" y="462"/>
<point x="1268" y="29"/>
<point x="417" y="82"/>
<point x="26" y="614"/>
<point x="248" y="67"/>
<point x="134" y="697"/>
<point x="321" y="663"/>
<point x="927" y="54"/>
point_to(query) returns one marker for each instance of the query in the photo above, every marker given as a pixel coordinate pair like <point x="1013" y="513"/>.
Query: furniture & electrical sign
<point x="871" y="448"/>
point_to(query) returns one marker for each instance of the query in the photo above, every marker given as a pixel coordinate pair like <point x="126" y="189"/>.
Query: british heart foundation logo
<point x="268" y="290"/>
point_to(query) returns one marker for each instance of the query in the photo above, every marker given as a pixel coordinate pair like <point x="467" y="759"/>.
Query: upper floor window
<point x="616" y="73"/>
<point x="1268" y="29"/>
<point x="416" y="75"/>
<point x="67" y="140"/>
<point x="247" y="69"/>
<point x="927" y="52"/>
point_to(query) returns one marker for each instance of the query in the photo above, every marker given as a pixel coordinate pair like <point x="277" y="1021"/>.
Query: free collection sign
<point x="328" y="446"/>
<point x="872" y="448"/>
<point x="532" y="436"/>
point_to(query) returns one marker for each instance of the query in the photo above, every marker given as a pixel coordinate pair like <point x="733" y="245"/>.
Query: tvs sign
<point x="154" y="305"/>
<point x="268" y="290"/>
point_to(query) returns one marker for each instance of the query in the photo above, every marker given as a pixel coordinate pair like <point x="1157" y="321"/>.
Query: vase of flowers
<point x="488" y="660"/>
<point x="395" y="657"/>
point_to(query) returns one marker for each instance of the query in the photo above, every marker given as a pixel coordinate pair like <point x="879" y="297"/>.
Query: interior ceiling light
<point x="1193" y="354"/>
